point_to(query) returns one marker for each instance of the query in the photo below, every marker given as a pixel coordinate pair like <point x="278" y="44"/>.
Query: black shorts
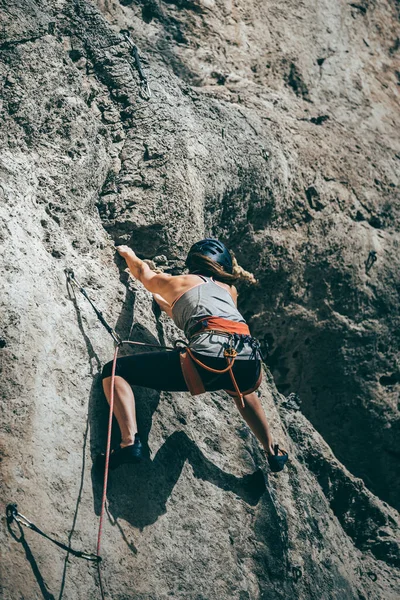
<point x="162" y="371"/>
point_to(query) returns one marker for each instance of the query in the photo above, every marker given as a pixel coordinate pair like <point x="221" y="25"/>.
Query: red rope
<point x="110" y="417"/>
<point x="108" y="448"/>
<point x="105" y="481"/>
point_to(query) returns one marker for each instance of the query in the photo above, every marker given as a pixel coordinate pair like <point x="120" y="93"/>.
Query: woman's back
<point x="206" y="299"/>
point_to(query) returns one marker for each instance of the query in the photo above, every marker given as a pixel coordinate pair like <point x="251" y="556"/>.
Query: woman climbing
<point x="220" y="353"/>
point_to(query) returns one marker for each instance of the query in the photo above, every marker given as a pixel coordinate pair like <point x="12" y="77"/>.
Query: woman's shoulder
<point x="179" y="284"/>
<point x="225" y="286"/>
<point x="188" y="279"/>
<point x="229" y="288"/>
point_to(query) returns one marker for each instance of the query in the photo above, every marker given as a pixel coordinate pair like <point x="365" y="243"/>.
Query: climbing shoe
<point x="278" y="460"/>
<point x="128" y="455"/>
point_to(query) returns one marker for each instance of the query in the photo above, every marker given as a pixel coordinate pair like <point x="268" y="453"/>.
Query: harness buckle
<point x="230" y="352"/>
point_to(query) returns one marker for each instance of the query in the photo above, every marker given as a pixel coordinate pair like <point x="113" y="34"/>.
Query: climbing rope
<point x="105" y="480"/>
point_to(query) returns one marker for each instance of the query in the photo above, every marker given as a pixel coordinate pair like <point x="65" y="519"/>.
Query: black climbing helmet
<point x="215" y="250"/>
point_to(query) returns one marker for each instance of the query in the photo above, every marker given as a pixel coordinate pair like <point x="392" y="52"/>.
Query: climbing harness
<point x="234" y="330"/>
<point x="144" y="84"/>
<point x="12" y="514"/>
<point x="372" y="258"/>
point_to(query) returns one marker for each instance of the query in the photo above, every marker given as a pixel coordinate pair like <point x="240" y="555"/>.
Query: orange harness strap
<point x="191" y="374"/>
<point x="230" y="355"/>
<point x="217" y="325"/>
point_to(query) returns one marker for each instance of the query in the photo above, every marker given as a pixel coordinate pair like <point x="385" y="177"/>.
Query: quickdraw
<point x="73" y="280"/>
<point x="12" y="514"/>
<point x="372" y="258"/>
<point x="144" y="84"/>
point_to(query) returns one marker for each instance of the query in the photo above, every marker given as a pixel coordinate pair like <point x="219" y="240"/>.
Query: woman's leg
<point x="124" y="408"/>
<point x="254" y="415"/>
<point x="156" y="370"/>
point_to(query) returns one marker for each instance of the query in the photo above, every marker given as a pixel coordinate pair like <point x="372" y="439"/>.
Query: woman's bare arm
<point x="153" y="282"/>
<point x="169" y="287"/>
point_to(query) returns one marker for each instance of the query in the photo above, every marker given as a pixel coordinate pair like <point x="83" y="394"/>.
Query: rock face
<point x="273" y="126"/>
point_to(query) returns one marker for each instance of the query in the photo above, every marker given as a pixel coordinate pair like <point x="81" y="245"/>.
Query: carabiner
<point x="145" y="90"/>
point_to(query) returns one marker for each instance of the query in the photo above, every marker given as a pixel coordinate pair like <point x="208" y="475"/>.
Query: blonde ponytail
<point x="204" y="265"/>
<point x="240" y="273"/>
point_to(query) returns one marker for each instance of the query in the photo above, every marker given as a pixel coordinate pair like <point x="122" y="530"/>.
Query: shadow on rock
<point x="139" y="493"/>
<point x="20" y="537"/>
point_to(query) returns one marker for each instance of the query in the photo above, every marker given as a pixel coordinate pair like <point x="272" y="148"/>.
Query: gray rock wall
<point x="273" y="127"/>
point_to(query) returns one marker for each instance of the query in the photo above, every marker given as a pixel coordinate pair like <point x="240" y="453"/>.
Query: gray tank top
<point x="205" y="300"/>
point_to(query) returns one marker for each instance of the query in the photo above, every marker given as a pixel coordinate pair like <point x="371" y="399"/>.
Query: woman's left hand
<point x="125" y="252"/>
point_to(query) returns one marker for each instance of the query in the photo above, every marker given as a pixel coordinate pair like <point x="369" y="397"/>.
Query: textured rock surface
<point x="274" y="127"/>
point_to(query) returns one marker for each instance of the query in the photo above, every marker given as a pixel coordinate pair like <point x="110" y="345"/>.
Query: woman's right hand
<point x="125" y="252"/>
